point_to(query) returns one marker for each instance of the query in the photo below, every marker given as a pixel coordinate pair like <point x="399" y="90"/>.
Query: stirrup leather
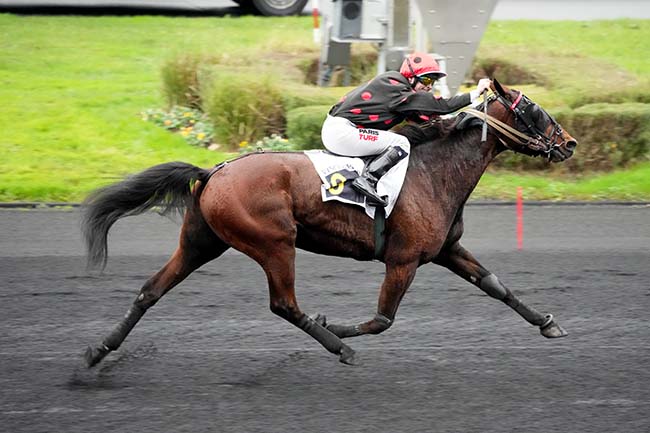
<point x="366" y="184"/>
<point x="368" y="188"/>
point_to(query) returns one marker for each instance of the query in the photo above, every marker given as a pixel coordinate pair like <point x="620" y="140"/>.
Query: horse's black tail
<point x="166" y="185"/>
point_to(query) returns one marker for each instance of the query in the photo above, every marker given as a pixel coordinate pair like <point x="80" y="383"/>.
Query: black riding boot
<point x="366" y="184"/>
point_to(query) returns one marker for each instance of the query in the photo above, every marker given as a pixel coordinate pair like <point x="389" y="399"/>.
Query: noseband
<point x="532" y="138"/>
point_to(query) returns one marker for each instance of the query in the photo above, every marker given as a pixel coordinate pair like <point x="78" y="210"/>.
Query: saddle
<point x="465" y="121"/>
<point x="338" y="172"/>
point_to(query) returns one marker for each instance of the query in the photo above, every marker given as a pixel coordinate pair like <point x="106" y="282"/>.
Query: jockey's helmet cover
<point x="417" y="64"/>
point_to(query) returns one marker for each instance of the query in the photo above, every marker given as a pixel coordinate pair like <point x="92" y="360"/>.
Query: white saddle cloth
<point x="338" y="172"/>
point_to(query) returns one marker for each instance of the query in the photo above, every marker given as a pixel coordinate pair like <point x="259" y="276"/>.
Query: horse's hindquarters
<point x="276" y="197"/>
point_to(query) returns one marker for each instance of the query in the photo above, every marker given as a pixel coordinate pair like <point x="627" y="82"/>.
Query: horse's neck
<point x="456" y="163"/>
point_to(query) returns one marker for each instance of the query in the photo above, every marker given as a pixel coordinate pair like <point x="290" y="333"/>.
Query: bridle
<point x="532" y="137"/>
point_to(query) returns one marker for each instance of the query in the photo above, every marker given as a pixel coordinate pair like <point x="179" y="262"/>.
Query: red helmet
<point x="417" y="64"/>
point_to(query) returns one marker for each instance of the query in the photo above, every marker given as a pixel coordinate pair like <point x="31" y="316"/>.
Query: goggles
<point x="426" y="80"/>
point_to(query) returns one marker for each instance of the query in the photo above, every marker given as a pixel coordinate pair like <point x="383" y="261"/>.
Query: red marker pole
<point x="520" y="219"/>
<point x="314" y="14"/>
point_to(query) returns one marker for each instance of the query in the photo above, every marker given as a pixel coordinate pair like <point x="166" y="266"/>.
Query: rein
<point x="505" y="129"/>
<point x="538" y="143"/>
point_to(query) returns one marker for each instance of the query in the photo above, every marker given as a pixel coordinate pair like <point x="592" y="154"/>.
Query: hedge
<point x="246" y="106"/>
<point x="609" y="136"/>
<point x="296" y="96"/>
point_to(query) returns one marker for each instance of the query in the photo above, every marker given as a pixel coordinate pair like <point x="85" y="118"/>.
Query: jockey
<point x="358" y="125"/>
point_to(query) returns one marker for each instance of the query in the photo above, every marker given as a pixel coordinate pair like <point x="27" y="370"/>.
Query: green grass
<point x="619" y="42"/>
<point x="629" y="185"/>
<point x="72" y="90"/>
<point x="578" y="62"/>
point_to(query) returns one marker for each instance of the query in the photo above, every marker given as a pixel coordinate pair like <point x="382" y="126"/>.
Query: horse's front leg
<point x="397" y="280"/>
<point x="462" y="263"/>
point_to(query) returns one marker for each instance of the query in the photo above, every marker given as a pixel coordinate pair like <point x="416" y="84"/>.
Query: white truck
<point x="273" y="7"/>
<point x="263" y="7"/>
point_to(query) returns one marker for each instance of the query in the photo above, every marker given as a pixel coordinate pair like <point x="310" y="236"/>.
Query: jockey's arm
<point x="424" y="102"/>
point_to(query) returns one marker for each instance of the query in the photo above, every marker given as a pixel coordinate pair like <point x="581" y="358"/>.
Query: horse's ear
<point x="498" y="87"/>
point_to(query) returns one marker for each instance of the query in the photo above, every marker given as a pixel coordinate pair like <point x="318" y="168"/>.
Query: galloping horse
<point x="267" y="204"/>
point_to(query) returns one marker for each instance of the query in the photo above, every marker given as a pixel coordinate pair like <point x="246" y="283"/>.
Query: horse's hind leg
<point x="462" y="262"/>
<point x="198" y="245"/>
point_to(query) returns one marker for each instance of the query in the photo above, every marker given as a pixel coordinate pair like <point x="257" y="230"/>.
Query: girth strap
<point x="380" y="236"/>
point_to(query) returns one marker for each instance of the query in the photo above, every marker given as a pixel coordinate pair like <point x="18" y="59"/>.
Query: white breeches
<point x="342" y="137"/>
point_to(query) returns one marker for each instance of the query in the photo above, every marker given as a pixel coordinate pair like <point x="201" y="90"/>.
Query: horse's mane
<point x="438" y="128"/>
<point x="426" y="132"/>
<point x="443" y="145"/>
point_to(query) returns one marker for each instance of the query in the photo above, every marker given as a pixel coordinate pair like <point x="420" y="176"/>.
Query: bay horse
<point x="268" y="204"/>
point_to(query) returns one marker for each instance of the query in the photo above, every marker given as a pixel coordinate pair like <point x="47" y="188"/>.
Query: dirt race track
<point x="212" y="357"/>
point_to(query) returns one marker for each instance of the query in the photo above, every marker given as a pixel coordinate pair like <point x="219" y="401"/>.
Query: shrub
<point x="243" y="107"/>
<point x="180" y="81"/>
<point x="304" y="126"/>
<point x="296" y="96"/>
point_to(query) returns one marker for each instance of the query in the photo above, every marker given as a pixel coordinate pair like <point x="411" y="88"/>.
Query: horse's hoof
<point x="348" y="356"/>
<point x="551" y="329"/>
<point x="321" y="320"/>
<point x="95" y="354"/>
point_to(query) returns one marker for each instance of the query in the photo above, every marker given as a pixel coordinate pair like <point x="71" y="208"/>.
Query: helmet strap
<point x="415" y="77"/>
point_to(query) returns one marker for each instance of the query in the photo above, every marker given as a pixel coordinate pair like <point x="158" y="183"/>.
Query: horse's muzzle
<point x="565" y="150"/>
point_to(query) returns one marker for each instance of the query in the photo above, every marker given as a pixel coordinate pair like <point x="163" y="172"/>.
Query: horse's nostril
<point x="571" y="145"/>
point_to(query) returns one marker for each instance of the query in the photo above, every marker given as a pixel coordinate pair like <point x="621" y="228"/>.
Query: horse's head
<point x="539" y="133"/>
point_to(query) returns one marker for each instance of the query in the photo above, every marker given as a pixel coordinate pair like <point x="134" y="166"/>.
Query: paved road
<point x="211" y="356"/>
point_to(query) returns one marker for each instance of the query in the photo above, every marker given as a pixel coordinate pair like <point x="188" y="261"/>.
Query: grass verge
<point x="628" y="185"/>
<point x="73" y="88"/>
